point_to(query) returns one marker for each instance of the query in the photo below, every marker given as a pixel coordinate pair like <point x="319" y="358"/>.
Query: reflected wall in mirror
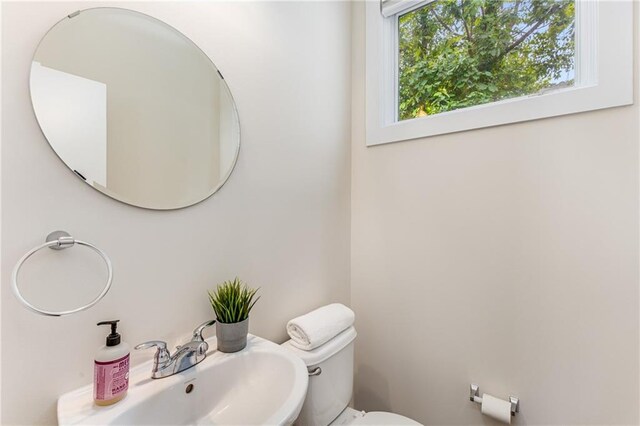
<point x="135" y="108"/>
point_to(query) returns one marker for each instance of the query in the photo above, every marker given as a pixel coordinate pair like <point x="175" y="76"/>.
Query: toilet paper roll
<point x="497" y="408"/>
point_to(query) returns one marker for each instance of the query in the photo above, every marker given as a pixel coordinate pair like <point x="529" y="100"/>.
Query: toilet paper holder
<point x="474" y="396"/>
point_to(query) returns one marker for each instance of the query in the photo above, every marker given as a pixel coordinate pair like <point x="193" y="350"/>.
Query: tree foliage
<point x="459" y="53"/>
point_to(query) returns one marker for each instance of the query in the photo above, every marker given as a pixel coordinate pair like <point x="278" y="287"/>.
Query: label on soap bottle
<point x="111" y="378"/>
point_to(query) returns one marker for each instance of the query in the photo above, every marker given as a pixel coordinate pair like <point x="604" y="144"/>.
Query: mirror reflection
<point x="134" y="108"/>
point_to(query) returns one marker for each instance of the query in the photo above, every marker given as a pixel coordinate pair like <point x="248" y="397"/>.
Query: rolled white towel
<point x="318" y="327"/>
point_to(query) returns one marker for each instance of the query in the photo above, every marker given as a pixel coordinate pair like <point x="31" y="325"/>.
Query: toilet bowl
<point x="330" y="388"/>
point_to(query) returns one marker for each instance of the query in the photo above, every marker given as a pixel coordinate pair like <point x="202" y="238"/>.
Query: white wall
<point x="507" y="257"/>
<point x="281" y="222"/>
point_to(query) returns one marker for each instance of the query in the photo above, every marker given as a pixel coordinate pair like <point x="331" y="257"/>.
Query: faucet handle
<point x="150" y="344"/>
<point x="162" y="354"/>
<point x="197" y="333"/>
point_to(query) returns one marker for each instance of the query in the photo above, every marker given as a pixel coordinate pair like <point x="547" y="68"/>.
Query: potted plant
<point x="232" y="301"/>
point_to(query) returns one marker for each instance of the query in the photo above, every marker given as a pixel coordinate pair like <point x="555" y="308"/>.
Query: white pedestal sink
<point x="262" y="384"/>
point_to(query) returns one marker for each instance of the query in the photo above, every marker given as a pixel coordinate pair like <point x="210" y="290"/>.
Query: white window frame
<point x="604" y="76"/>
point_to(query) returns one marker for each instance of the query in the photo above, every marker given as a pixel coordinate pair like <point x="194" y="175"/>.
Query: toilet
<point x="330" y="388"/>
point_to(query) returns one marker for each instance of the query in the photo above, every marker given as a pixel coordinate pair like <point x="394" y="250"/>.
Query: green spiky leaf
<point x="232" y="301"/>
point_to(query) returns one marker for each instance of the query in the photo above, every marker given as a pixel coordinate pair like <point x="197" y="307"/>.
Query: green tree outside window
<point x="459" y="53"/>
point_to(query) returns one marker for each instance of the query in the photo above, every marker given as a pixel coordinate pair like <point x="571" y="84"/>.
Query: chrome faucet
<point x="186" y="356"/>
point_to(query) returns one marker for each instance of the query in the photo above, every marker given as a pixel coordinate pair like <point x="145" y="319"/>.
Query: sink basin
<point x="262" y="384"/>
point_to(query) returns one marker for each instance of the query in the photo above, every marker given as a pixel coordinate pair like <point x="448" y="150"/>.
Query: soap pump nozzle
<point x="113" y="339"/>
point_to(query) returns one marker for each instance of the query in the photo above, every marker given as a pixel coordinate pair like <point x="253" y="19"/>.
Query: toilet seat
<point x="351" y="417"/>
<point x="383" y="418"/>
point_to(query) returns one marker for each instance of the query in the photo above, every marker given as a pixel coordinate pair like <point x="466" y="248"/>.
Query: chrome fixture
<point x="474" y="392"/>
<point x="186" y="356"/>
<point x="474" y="396"/>
<point x="60" y="240"/>
<point x="197" y="333"/>
<point x="515" y="405"/>
<point x="315" y="372"/>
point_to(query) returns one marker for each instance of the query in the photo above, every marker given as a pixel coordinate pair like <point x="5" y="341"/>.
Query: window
<point x="443" y="66"/>
<point x="454" y="54"/>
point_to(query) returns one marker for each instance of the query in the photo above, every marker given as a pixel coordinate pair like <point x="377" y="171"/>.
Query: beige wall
<point x="507" y="257"/>
<point x="281" y="222"/>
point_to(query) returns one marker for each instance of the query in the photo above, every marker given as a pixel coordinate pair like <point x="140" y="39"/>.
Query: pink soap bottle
<point x="111" y="369"/>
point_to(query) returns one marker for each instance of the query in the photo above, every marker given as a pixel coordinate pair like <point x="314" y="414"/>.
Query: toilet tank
<point x="330" y="391"/>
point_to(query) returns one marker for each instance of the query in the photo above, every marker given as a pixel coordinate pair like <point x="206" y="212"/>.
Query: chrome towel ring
<point x="59" y="240"/>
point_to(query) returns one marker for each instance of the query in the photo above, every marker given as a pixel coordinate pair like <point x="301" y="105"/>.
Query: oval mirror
<point x="134" y="108"/>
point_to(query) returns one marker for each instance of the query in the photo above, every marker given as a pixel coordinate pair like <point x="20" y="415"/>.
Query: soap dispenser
<point x="111" y="368"/>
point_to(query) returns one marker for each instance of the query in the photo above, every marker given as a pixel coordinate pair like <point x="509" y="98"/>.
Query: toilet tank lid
<point x="322" y="352"/>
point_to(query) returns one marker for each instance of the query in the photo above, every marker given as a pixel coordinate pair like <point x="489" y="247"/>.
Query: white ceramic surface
<point x="262" y="384"/>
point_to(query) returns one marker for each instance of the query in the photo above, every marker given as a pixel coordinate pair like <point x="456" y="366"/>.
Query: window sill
<point x="553" y="104"/>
